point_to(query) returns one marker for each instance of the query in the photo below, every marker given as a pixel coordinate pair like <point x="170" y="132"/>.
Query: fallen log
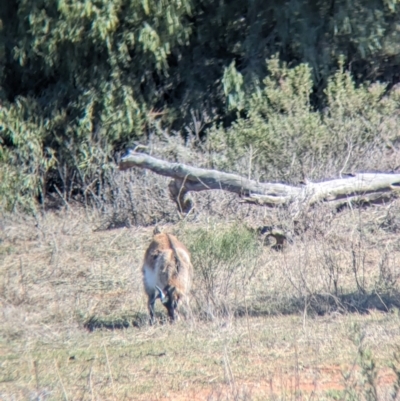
<point x="358" y="188"/>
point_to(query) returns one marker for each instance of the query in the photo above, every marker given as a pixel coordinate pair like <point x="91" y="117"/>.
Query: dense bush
<point x="81" y="80"/>
<point x="280" y="135"/>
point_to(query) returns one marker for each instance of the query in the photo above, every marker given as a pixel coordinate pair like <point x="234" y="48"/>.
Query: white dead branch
<point x="362" y="188"/>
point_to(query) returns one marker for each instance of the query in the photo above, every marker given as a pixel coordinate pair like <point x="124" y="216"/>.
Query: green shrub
<point x="225" y="259"/>
<point x="287" y="139"/>
<point x="71" y="75"/>
<point x="24" y="162"/>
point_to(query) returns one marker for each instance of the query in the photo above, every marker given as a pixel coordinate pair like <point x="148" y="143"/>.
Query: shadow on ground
<point x="316" y="304"/>
<point x="137" y="320"/>
<point x="322" y="304"/>
<point x="115" y="322"/>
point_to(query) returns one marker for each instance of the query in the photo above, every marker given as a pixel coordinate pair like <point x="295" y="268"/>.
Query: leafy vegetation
<point x="284" y="137"/>
<point x="225" y="258"/>
<point x="81" y="80"/>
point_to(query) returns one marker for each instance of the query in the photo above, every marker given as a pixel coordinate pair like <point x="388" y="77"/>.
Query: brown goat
<point x="167" y="273"/>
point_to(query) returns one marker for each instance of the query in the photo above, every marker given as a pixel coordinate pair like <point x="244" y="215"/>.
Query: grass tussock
<point x="266" y="324"/>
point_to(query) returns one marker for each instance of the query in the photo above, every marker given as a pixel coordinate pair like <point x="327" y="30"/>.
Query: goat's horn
<point x="161" y="294"/>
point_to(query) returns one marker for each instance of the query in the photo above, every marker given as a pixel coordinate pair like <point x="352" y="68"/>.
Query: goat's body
<point x="167" y="273"/>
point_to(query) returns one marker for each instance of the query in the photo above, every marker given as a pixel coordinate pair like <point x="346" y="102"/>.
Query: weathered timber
<point x="356" y="188"/>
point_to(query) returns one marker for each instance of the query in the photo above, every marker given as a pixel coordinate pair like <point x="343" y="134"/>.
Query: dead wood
<point x="358" y="188"/>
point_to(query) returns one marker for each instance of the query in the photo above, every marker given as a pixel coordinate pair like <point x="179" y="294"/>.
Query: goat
<point x="167" y="273"/>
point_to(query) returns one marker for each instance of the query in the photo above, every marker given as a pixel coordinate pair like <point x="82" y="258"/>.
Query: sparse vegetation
<point x="265" y="324"/>
<point x="226" y="259"/>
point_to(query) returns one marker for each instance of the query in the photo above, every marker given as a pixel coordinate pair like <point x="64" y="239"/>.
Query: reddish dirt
<point x="302" y="384"/>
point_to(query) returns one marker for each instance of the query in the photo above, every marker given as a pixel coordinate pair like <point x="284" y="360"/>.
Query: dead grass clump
<point x="135" y="198"/>
<point x="340" y="264"/>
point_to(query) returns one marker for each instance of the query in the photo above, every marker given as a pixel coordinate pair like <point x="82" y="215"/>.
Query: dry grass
<point x="285" y="331"/>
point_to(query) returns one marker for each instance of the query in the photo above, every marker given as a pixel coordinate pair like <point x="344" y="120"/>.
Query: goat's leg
<point x="150" y="304"/>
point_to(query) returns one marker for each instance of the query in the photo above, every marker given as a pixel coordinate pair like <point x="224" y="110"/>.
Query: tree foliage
<point x="81" y="79"/>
